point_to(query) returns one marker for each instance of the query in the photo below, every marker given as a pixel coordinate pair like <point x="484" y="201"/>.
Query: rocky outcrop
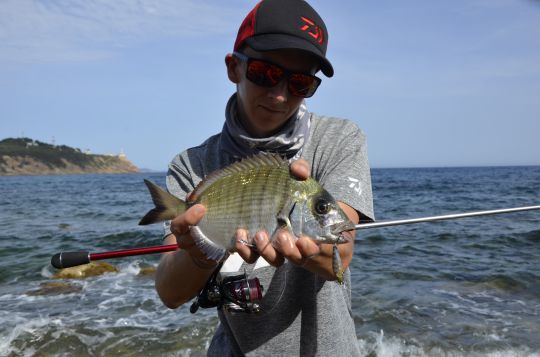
<point x="29" y="157"/>
<point x="85" y="271"/>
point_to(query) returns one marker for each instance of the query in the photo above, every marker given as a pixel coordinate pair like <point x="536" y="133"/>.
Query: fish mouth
<point x="341" y="227"/>
<point x="338" y="229"/>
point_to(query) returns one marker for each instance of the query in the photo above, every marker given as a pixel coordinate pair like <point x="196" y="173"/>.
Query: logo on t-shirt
<point x="356" y="185"/>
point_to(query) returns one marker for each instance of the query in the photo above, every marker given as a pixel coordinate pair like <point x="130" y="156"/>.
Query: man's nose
<point x="279" y="92"/>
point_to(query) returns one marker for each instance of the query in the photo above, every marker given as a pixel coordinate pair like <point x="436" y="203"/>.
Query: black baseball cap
<point x="280" y="24"/>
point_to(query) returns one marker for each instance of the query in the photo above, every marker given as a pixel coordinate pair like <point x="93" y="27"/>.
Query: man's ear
<point x="233" y="68"/>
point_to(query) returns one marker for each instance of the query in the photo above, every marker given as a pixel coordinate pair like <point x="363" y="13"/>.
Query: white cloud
<point x="66" y="30"/>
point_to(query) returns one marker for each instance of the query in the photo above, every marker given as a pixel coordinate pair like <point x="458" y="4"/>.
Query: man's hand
<point x="301" y="251"/>
<point x="285" y="244"/>
<point x="182" y="274"/>
<point x="180" y="229"/>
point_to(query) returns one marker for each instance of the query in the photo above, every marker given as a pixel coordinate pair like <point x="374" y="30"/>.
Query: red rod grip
<point x="71" y="259"/>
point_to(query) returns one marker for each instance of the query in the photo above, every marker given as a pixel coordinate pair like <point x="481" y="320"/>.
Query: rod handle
<point x="70" y="259"/>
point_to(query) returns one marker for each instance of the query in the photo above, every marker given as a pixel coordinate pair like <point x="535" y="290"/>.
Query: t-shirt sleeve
<point x="179" y="183"/>
<point x="345" y="171"/>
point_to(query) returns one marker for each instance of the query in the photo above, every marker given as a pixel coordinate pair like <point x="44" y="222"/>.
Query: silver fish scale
<point x="250" y="199"/>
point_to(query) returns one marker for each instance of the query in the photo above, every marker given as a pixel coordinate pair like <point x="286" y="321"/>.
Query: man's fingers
<point x="263" y="248"/>
<point x="300" y="169"/>
<point x="285" y="244"/>
<point x="266" y="250"/>
<point x="194" y="214"/>
<point x="245" y="251"/>
<point x="180" y="225"/>
<point x="297" y="251"/>
<point x="307" y="247"/>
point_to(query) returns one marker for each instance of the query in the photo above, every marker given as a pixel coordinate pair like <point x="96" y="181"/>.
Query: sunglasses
<point x="268" y="74"/>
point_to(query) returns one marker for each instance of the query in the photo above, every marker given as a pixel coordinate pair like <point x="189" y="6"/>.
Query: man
<point x="280" y="46"/>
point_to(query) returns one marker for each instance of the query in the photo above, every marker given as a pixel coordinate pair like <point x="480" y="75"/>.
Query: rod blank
<point x="443" y="217"/>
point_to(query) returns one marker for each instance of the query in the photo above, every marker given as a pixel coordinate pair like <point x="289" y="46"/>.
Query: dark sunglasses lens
<point x="263" y="74"/>
<point x="267" y="74"/>
<point x="302" y="85"/>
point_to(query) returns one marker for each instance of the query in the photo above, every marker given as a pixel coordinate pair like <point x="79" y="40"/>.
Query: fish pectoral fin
<point x="283" y="216"/>
<point x="284" y="222"/>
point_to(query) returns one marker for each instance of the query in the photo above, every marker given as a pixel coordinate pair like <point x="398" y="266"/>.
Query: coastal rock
<point x="85" y="271"/>
<point x="147" y="271"/>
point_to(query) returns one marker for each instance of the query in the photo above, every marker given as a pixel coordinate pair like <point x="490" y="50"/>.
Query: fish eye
<point x="322" y="206"/>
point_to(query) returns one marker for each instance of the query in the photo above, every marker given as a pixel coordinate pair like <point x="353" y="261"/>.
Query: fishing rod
<point x="443" y="217"/>
<point x="71" y="259"/>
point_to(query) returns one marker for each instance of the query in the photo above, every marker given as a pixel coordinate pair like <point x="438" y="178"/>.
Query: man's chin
<point x="268" y="126"/>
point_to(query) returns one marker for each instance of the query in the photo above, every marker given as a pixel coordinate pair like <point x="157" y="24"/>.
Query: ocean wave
<point x="533" y="236"/>
<point x="503" y="283"/>
<point x="53" y="336"/>
<point x="410" y="275"/>
<point x="373" y="238"/>
<point x="129" y="239"/>
<point x="18" y="340"/>
<point x="379" y="345"/>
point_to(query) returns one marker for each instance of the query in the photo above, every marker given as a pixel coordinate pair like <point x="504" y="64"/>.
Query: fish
<point x="258" y="193"/>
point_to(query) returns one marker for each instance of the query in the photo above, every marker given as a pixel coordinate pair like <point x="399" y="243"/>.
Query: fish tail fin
<point x="167" y="205"/>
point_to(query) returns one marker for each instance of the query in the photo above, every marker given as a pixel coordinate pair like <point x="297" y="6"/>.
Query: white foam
<point x="7" y="297"/>
<point x="382" y="346"/>
<point x="132" y="269"/>
<point x="34" y="326"/>
<point x="46" y="272"/>
<point x="111" y="303"/>
<point x="389" y="347"/>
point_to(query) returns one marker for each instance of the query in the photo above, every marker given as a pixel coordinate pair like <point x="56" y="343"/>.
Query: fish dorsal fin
<point x="253" y="162"/>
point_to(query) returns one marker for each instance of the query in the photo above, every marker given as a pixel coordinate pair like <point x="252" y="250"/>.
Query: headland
<point x="25" y="156"/>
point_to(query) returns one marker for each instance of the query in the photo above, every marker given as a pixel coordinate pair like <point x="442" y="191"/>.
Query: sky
<point x="431" y="83"/>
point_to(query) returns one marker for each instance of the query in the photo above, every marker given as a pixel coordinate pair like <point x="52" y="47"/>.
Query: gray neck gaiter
<point x="288" y="141"/>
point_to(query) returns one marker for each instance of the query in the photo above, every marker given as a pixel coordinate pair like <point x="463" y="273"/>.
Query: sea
<point x="468" y="287"/>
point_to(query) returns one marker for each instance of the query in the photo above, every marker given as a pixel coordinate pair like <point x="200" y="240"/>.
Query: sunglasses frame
<point x="286" y="74"/>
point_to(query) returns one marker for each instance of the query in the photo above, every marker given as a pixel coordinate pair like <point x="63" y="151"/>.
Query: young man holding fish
<point x="280" y="46"/>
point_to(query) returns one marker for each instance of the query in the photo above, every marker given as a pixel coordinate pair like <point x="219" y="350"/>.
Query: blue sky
<point x="431" y="83"/>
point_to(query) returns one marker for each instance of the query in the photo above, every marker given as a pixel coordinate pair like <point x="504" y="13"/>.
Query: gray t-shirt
<point x="302" y="314"/>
